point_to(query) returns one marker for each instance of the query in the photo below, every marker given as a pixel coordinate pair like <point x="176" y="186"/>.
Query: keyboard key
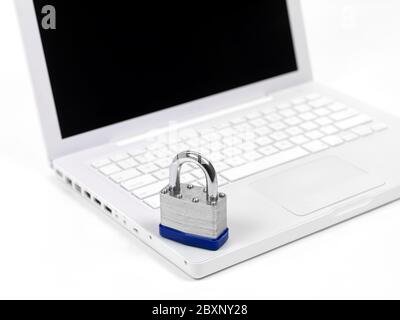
<point x="278" y="136"/>
<point x="249" y="136"/>
<point x="150" y="190"/>
<point x="231" y="152"/>
<point x="322" y="112"/>
<point x="316" y="146"/>
<point x="162" y="174"/>
<point x="349" y="136"/>
<point x="302" y="108"/>
<point x="148" y="168"/>
<point x="264" y="164"/>
<point x="353" y="122"/>
<point x="252" y="156"/>
<point x="299" y="140"/>
<point x="145" y="158"/>
<point x="120" y="157"/>
<point x="379" y="127"/>
<point x="263" y="141"/>
<point x="294" y="131"/>
<point x="155" y="146"/>
<point x="329" y="130"/>
<point x="138" y="182"/>
<point x="227" y="132"/>
<point x="308" y="116"/>
<point x="136" y="152"/>
<point x="324" y="121"/>
<point x="258" y="123"/>
<point x="343" y="115"/>
<point x="249" y="146"/>
<point x="128" y="163"/>
<point x="319" y="103"/>
<point x="212" y="137"/>
<point x="363" y="131"/>
<point x="333" y="140"/>
<point x="277" y="126"/>
<point x="268" y="150"/>
<point x="243" y="127"/>
<point x="195" y="142"/>
<point x="293" y="121"/>
<point x="309" y="126"/>
<point x="235" y="161"/>
<point x="232" y="141"/>
<point x="283" y="145"/>
<point x="314" y="135"/>
<point x="153" y="202"/>
<point x="335" y="107"/>
<point x="110" y="169"/>
<point x="162" y="153"/>
<point x="262" y="131"/>
<point x="164" y="163"/>
<point x="179" y="147"/>
<point x="216" y="156"/>
<point x="273" y="117"/>
<point x="215" y="146"/>
<point x="125" y="175"/>
<point x="101" y="163"/>
<point x="204" y="151"/>
<point x="219" y="166"/>
<point x="288" y="113"/>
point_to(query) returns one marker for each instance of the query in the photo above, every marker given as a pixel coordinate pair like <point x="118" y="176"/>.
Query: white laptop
<point x="121" y="90"/>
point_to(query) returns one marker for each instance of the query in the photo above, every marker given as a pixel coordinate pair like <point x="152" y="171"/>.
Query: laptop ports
<point x="68" y="181"/>
<point x="108" y="209"/>
<point x="87" y="195"/>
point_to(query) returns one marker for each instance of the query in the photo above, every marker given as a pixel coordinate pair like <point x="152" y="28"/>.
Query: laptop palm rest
<point x="317" y="185"/>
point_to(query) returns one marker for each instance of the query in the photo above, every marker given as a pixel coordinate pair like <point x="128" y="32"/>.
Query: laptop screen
<point x="111" y="61"/>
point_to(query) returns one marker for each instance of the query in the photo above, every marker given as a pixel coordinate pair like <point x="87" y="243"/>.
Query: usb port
<point x="108" y="209"/>
<point x="87" y="195"/>
<point x="78" y="188"/>
<point x="69" y="181"/>
<point x="97" y="201"/>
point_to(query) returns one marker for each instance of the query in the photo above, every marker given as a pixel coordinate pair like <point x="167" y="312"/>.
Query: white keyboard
<point x="240" y="146"/>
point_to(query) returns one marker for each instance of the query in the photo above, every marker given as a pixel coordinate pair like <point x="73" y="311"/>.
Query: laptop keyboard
<point x="240" y="146"/>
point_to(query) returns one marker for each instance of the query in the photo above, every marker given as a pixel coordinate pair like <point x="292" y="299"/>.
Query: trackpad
<point x="317" y="185"/>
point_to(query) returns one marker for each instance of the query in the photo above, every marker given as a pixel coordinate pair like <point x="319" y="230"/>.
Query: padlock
<point x="193" y="215"/>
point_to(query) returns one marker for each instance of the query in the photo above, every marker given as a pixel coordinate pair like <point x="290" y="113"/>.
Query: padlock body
<point x="195" y="218"/>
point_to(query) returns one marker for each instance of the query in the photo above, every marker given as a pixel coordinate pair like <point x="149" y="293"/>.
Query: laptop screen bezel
<point x="58" y="147"/>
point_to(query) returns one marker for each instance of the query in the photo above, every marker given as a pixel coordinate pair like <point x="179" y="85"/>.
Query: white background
<point x="55" y="245"/>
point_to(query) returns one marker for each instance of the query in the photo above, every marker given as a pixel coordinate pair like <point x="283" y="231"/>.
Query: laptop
<point x="122" y="88"/>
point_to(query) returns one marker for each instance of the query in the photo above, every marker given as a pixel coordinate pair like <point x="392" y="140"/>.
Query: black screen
<point x="111" y="61"/>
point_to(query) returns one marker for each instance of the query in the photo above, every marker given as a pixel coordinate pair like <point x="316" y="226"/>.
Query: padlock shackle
<point x="204" y="164"/>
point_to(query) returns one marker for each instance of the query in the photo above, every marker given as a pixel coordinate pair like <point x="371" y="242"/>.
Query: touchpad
<point x="317" y="185"/>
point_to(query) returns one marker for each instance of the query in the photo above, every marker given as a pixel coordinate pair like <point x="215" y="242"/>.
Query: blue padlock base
<point x="194" y="240"/>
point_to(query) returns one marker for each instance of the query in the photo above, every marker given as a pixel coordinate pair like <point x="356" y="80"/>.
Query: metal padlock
<point x="193" y="215"/>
